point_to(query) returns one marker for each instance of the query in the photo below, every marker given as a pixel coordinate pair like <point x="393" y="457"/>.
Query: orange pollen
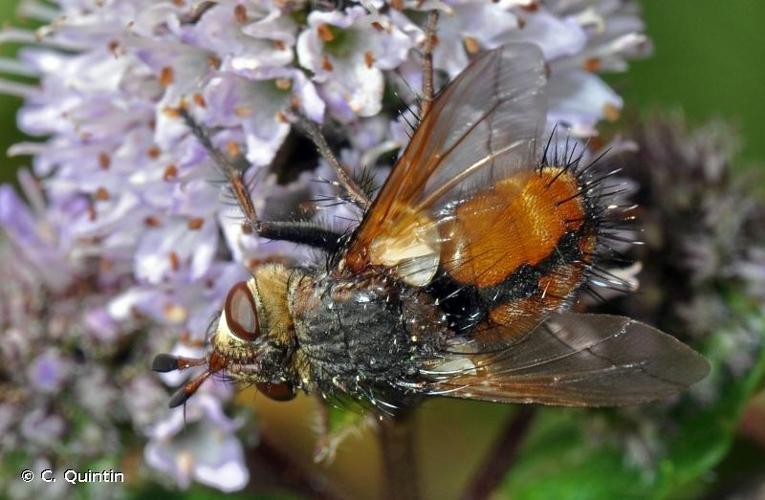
<point x="104" y="161"/>
<point x="199" y="100"/>
<point x="196" y="223"/>
<point x="175" y="261"/>
<point x="369" y="58"/>
<point x="325" y="33"/>
<point x="154" y="152"/>
<point x="166" y="76"/>
<point x="171" y="172"/>
<point x="233" y="149"/>
<point x="326" y="64"/>
<point x="283" y="83"/>
<point x="471" y="45"/>
<point x="592" y="64"/>
<point x="170" y="112"/>
<point x="151" y="221"/>
<point x="213" y="62"/>
<point x="101" y="194"/>
<point x="611" y="112"/>
<point x="240" y="14"/>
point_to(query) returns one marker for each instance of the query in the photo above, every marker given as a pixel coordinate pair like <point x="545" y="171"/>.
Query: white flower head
<point x="347" y="52"/>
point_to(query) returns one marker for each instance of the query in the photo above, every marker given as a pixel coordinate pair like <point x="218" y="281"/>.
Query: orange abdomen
<point x="520" y="220"/>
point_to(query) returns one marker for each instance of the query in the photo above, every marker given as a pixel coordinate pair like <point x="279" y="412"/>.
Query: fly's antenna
<point x="164" y="363"/>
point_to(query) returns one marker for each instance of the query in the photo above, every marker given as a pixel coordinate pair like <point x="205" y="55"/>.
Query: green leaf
<point x="564" y="458"/>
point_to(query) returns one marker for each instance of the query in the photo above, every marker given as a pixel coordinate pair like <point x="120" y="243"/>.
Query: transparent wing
<point x="576" y="360"/>
<point x="481" y="129"/>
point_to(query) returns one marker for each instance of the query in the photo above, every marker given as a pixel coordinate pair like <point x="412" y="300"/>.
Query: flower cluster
<point x="688" y="175"/>
<point x="130" y="231"/>
<point x="59" y="368"/>
<point x="702" y="235"/>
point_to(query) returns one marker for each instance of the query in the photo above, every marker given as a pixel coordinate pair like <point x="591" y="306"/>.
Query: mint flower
<point x="200" y="446"/>
<point x="347" y="52"/>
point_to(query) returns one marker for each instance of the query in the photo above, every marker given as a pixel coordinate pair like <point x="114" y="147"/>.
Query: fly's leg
<point x="324" y="451"/>
<point x="329" y="437"/>
<point x="427" y="63"/>
<point x="354" y="193"/>
<point x="326" y="444"/>
<point x="234" y="165"/>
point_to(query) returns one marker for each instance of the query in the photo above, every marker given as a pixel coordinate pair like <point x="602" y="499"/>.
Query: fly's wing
<point x="575" y="360"/>
<point x="481" y="129"/>
<point x="465" y="212"/>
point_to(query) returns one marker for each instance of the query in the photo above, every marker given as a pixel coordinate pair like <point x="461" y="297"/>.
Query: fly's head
<point x="253" y="342"/>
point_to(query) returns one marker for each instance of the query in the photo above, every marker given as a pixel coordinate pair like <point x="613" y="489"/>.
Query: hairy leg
<point x="427" y="63"/>
<point x="355" y="194"/>
<point x="234" y="167"/>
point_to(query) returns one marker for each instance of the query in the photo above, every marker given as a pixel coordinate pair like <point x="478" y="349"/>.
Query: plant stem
<point x="397" y="445"/>
<point x="501" y="456"/>
<point x="273" y="469"/>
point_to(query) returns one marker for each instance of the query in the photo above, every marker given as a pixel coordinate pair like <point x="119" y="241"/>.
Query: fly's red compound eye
<point x="241" y="316"/>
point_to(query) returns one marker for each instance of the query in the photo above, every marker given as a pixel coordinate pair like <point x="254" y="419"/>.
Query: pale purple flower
<point x="41" y="428"/>
<point x="244" y="36"/>
<point x="465" y="26"/>
<point x="102" y="327"/>
<point x="200" y="447"/>
<point x="48" y="371"/>
<point x="347" y="52"/>
<point x="577" y="38"/>
<point x="37" y="238"/>
<point x="257" y="101"/>
<point x="146" y="399"/>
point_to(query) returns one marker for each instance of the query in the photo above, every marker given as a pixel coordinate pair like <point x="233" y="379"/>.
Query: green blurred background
<point x="709" y="60"/>
<point x="8" y="104"/>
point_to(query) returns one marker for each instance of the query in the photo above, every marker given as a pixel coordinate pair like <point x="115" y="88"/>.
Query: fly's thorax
<point x="362" y="336"/>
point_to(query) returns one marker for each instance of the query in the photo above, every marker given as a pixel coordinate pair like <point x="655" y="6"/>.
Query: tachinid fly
<point x="458" y="279"/>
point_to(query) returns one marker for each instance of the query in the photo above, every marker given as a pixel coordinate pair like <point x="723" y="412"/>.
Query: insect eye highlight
<point x="241" y="315"/>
